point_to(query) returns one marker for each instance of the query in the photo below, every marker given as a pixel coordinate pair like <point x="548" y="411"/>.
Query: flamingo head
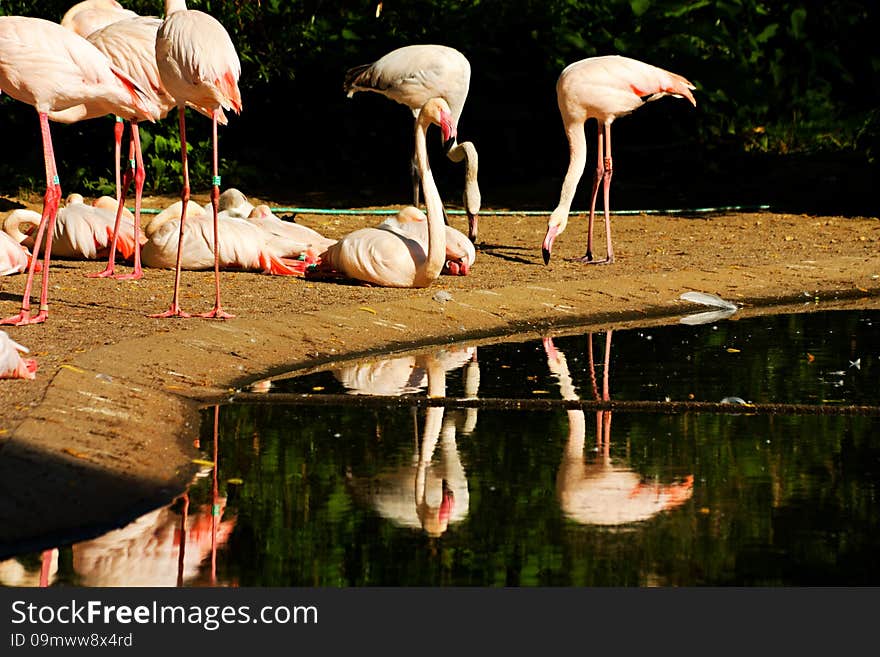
<point x="437" y="111"/>
<point x="555" y="225"/>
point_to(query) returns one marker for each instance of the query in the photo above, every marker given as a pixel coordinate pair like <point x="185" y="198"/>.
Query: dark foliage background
<point x="787" y="104"/>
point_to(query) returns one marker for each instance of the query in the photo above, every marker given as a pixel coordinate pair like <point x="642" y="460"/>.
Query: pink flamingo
<point x="411" y="76"/>
<point x="14" y="257"/>
<point x="52" y="68"/>
<point x="12" y="365"/>
<point x="198" y="65"/>
<point x="390" y="257"/>
<point x="603" y="88"/>
<point x="460" y="251"/>
<point x="90" y="15"/>
<point x="286" y="238"/>
<point x="228" y="242"/>
<point x="82" y="231"/>
<point x="130" y="44"/>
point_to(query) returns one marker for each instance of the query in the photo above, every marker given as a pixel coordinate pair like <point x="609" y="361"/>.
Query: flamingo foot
<point x="216" y="313"/>
<point x="135" y="275"/>
<point x="24" y="318"/>
<point x="173" y="311"/>
<point x="588" y="260"/>
<point x="109" y="272"/>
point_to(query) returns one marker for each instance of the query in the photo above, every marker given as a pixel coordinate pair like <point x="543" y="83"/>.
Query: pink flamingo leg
<point x="139" y="177"/>
<point x="174" y="310"/>
<point x="121" y="192"/>
<point x="603" y="174"/>
<point x="118" y="128"/>
<point x="217" y="312"/>
<point x="47" y="227"/>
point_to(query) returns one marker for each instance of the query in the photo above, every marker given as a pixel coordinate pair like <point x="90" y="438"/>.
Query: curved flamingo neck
<point x="467" y="151"/>
<point x="172" y="6"/>
<point x="429" y="270"/>
<point x="577" y="154"/>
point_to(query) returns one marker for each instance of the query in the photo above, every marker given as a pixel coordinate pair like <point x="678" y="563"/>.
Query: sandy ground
<point x="107" y="428"/>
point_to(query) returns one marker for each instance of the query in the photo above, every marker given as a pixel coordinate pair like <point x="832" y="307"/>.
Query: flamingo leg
<point x="118" y="127"/>
<point x="47" y="227"/>
<point x="139" y="177"/>
<point x="174" y="310"/>
<point x="217" y="312"/>
<point x="121" y="192"/>
<point x="603" y="175"/>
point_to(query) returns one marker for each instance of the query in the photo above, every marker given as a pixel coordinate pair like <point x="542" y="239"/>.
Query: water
<point x="354" y="496"/>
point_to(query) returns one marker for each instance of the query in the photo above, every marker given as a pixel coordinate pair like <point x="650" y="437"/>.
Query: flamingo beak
<point x="447" y="126"/>
<point x="472" y="227"/>
<point x="547" y="246"/>
<point x="447" y="504"/>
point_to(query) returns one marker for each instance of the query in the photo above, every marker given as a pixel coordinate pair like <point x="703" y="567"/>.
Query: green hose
<point x="505" y="213"/>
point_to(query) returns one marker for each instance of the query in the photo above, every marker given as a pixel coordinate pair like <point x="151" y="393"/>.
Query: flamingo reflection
<point x="431" y="492"/>
<point x="599" y="492"/>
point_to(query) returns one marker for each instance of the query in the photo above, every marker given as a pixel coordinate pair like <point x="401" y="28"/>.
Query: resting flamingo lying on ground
<point x="12" y="365"/>
<point x="241" y="245"/>
<point x="14" y="258"/>
<point x="81" y="232"/>
<point x="288" y="239"/>
<point x="411" y="76"/>
<point x="460" y="251"/>
<point x="388" y="256"/>
<point x="602" y="88"/>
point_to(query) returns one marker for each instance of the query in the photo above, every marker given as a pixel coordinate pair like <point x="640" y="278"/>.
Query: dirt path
<point x="107" y="427"/>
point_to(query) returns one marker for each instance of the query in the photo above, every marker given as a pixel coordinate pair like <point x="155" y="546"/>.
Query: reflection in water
<point x="431" y="492"/>
<point x="310" y="495"/>
<point x="600" y="492"/>
<point x="165" y="547"/>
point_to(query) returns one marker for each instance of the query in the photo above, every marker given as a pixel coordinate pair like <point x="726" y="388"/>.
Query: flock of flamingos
<point x="103" y="59"/>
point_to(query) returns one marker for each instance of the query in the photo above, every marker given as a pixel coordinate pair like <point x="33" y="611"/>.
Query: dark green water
<point x="349" y="496"/>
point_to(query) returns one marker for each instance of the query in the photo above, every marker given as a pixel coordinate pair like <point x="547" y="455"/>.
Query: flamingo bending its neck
<point x="602" y="88"/>
<point x="412" y="75"/>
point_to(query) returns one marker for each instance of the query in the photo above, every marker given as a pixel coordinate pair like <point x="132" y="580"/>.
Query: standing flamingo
<point x="130" y="44"/>
<point x="198" y="65"/>
<point x="602" y="88"/>
<point x="52" y="68"/>
<point x="410" y="76"/>
<point x="390" y="257"/>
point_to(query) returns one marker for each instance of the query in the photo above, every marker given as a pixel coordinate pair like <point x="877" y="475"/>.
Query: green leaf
<point x="639" y="7"/>
<point x="798" y="20"/>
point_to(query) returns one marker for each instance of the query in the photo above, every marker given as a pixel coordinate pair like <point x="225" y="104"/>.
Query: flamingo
<point x="603" y="88"/>
<point x="410" y="76"/>
<point x="460" y="251"/>
<point x="12" y="365"/>
<point x="130" y="43"/>
<point x="53" y="68"/>
<point x="198" y="65"/>
<point x="603" y="493"/>
<point x="90" y="15"/>
<point x="431" y="492"/>
<point x="227" y="242"/>
<point x="389" y="257"/>
<point x="81" y="232"/>
<point x="287" y="239"/>
<point x="14" y="258"/>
